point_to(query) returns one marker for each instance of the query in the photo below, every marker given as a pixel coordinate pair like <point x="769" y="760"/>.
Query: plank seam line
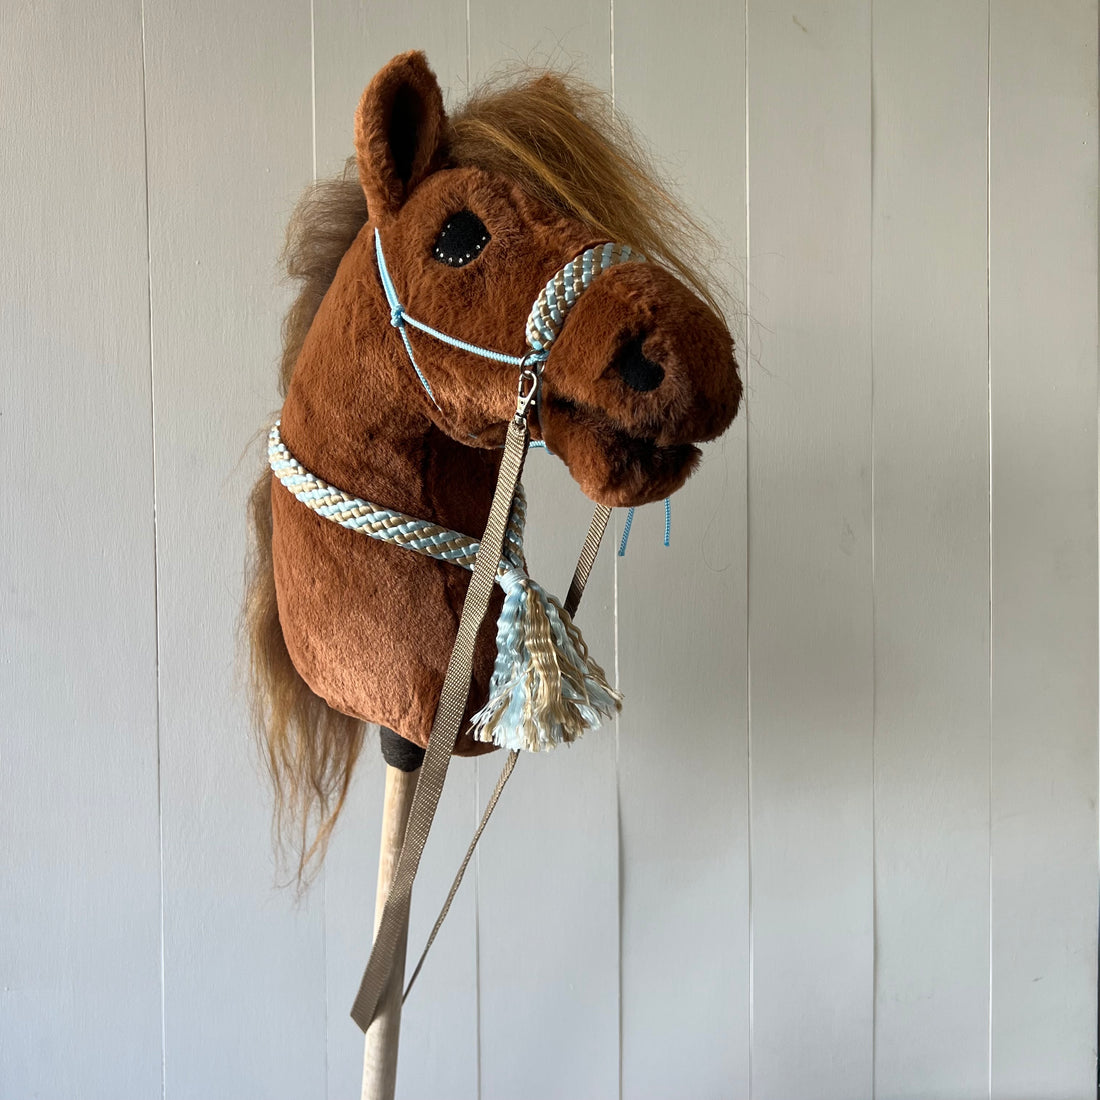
<point x="751" y="992"/>
<point x="156" y="561"/>
<point x="619" y="907"/>
<point x="324" y="872"/>
<point x="477" y="797"/>
<point x="874" y="571"/>
<point x="989" y="494"/>
<point x="313" y="91"/>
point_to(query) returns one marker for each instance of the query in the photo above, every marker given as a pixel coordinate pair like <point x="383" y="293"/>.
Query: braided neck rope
<point x="387" y="525"/>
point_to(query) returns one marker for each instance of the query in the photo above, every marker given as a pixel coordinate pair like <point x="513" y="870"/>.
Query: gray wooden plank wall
<point x="842" y="841"/>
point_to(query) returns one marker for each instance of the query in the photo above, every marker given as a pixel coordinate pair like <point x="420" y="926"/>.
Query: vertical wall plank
<point x="353" y="39"/>
<point x="548" y="868"/>
<point x="229" y="147"/>
<point x="810" y="548"/>
<point x="1043" y="348"/>
<point x="438" y="1052"/>
<point x="683" y="776"/>
<point x="931" y="455"/>
<point x="80" y="949"/>
<point x="573" y="35"/>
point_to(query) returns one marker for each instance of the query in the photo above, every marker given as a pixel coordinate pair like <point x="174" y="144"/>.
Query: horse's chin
<point x="612" y="465"/>
<point x="648" y="473"/>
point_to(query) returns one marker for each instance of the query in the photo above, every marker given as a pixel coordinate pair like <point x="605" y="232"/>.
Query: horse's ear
<point x="398" y="132"/>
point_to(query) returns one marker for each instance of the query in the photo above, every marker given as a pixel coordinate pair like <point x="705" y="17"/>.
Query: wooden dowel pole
<point x="381" y="1044"/>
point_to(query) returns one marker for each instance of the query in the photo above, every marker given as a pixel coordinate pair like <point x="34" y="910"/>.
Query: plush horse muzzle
<point x="642" y="370"/>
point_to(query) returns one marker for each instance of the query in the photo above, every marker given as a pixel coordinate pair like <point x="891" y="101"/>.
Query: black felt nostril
<point x="638" y="372"/>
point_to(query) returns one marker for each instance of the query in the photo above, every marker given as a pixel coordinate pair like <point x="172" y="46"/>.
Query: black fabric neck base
<point x="399" y="753"/>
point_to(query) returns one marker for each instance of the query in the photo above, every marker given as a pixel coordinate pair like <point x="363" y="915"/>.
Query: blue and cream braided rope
<point x="385" y="524"/>
<point x="554" y="301"/>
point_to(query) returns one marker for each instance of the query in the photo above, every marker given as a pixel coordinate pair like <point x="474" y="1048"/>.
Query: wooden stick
<point x="381" y="1044"/>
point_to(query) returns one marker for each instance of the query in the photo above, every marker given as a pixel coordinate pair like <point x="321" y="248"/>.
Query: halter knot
<point x="397" y="315"/>
<point x="512" y="579"/>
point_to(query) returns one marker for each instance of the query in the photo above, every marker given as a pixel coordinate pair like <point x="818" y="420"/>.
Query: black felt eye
<point x="461" y="239"/>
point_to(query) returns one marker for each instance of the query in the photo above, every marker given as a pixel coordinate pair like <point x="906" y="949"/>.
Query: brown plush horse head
<point x="474" y="214"/>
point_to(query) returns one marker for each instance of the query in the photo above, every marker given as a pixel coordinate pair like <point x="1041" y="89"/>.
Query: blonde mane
<point x="559" y="139"/>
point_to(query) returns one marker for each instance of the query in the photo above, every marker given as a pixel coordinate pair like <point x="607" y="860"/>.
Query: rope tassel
<point x="546" y="689"/>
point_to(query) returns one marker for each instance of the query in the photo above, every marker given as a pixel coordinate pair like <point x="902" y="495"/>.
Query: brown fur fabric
<point x="642" y="371"/>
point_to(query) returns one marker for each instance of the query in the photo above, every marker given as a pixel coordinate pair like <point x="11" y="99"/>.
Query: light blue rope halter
<point x="543" y="325"/>
<point x="401" y="320"/>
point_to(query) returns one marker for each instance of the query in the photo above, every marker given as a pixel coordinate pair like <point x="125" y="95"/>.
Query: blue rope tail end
<point x="630" y="522"/>
<point x="626" y="532"/>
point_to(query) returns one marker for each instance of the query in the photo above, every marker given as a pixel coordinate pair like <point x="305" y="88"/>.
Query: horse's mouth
<point x="650" y="472"/>
<point x="614" y="465"/>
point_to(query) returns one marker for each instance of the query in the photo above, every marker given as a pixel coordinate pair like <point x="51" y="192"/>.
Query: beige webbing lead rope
<point x="587" y="558"/>
<point x="448" y="718"/>
<point x="576" y="589"/>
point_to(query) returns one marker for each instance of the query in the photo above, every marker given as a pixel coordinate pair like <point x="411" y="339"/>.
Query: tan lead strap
<point x="580" y="578"/>
<point x="587" y="558"/>
<point x="448" y="719"/>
